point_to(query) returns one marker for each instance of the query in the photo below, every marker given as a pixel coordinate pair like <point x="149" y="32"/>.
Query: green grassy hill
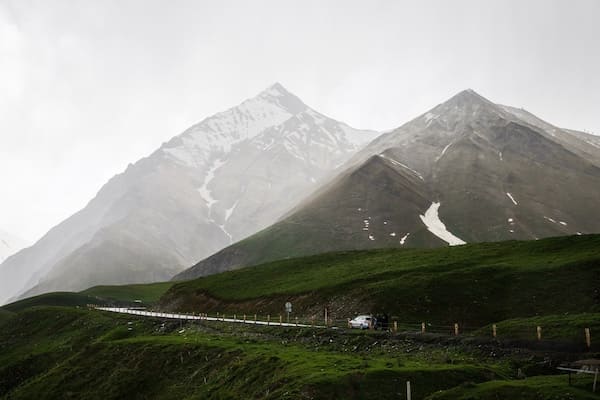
<point x="5" y="315"/>
<point x="66" y="299"/>
<point x="69" y="352"/>
<point x="51" y="353"/>
<point x="148" y="294"/>
<point x="474" y="285"/>
<point x="62" y="353"/>
<point x="539" y="387"/>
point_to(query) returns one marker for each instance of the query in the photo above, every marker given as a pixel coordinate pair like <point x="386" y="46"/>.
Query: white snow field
<point x="433" y="223"/>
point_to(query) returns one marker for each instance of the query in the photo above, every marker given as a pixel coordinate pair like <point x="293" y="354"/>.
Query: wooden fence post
<point x="588" y="338"/>
<point x="395" y="326"/>
<point x="494" y="331"/>
<point x="254" y="319"/>
<point x="234" y="318"/>
<point x="269" y="319"/>
<point x="408" y="391"/>
<point x="244" y="318"/>
<point x="312" y="321"/>
<point x="280" y="319"/>
<point x="422" y="327"/>
<point x="326" y="318"/>
<point x="539" y="333"/>
<point x="456" y="329"/>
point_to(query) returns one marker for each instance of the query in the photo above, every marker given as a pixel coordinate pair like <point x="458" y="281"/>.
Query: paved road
<point x="153" y="314"/>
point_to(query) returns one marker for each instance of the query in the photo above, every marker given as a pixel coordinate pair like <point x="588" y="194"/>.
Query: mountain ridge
<point x="490" y="175"/>
<point x="213" y="184"/>
<point x="9" y="245"/>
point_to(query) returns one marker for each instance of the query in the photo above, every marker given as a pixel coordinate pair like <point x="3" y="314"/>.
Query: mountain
<point x="221" y="180"/>
<point x="9" y="245"/>
<point x="469" y="170"/>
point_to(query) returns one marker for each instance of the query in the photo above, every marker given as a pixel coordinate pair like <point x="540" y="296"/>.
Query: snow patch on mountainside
<point x="592" y="143"/>
<point x="434" y="225"/>
<point x="398" y="163"/>
<point x="222" y="227"/>
<point x="230" y="211"/>
<point x="403" y="240"/>
<point x="510" y="196"/>
<point x="444" y="151"/>
<point x="210" y="175"/>
<point x="429" y="117"/>
<point x="563" y="223"/>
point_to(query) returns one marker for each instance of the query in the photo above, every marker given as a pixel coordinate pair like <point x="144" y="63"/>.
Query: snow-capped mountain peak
<point x="220" y="132"/>
<point x="274" y="109"/>
<point x="281" y="97"/>
<point x="221" y="180"/>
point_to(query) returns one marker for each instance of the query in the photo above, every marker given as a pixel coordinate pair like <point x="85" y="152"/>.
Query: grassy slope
<point x="57" y="352"/>
<point x="569" y="327"/>
<point x="62" y="353"/>
<point x="147" y="293"/>
<point x="66" y="299"/>
<point x="5" y="315"/>
<point x="538" y="388"/>
<point x="474" y="284"/>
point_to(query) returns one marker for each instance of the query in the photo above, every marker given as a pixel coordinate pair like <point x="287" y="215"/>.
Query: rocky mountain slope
<point x="221" y="180"/>
<point x="468" y="170"/>
<point x="9" y="245"/>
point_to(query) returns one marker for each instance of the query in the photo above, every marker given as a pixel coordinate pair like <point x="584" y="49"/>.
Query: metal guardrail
<point x="175" y="316"/>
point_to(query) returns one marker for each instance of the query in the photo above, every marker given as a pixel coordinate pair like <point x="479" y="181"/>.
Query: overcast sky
<point x="87" y="87"/>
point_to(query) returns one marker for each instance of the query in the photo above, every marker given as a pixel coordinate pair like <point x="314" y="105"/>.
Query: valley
<point x="56" y="342"/>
